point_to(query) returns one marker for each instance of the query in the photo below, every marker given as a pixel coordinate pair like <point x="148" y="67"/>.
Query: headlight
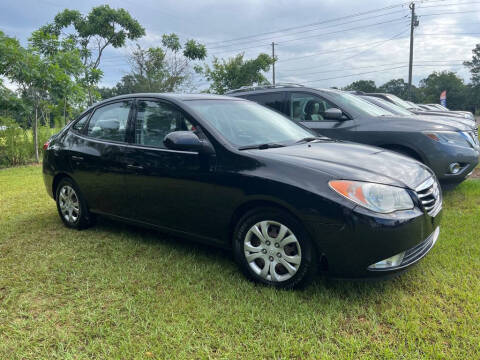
<point x="459" y="138"/>
<point x="376" y="197"/>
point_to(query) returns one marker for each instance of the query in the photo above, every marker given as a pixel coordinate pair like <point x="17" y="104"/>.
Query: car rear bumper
<point x="48" y="179"/>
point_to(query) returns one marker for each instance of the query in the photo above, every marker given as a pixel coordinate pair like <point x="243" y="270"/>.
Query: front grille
<point x="430" y="196"/>
<point x="475" y="136"/>
<point x="415" y="253"/>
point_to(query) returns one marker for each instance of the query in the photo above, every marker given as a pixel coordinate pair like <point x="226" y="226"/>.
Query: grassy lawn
<point x="116" y="291"/>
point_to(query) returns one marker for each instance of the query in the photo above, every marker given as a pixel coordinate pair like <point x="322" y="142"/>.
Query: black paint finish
<point x="201" y="195"/>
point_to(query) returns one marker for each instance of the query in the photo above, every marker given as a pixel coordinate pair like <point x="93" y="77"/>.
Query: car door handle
<point x="135" y="167"/>
<point x="77" y="158"/>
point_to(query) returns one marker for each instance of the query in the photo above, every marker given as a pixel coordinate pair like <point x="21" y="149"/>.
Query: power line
<point x="330" y="52"/>
<point x="377" y="65"/>
<point x="449" y="13"/>
<point x="363" y="51"/>
<point x="451" y="4"/>
<point x="363" y="73"/>
<point x="309" y="30"/>
<point x="314" y="36"/>
<point x="311" y="24"/>
<point x="449" y="34"/>
<point x="344" y="30"/>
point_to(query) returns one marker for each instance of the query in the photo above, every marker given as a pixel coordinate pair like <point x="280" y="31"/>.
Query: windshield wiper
<point x="261" y="146"/>
<point x="312" y="138"/>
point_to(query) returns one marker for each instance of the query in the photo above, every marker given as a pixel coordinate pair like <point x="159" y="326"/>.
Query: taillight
<point x="45" y="146"/>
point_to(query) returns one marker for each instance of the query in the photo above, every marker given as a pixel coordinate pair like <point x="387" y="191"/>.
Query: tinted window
<point x="274" y="101"/>
<point x="359" y="105"/>
<point x="308" y="107"/>
<point x="157" y="119"/>
<point x="243" y="123"/>
<point x="109" y="122"/>
<point x="80" y="124"/>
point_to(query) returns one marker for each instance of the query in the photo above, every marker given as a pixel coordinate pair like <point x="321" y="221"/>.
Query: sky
<point x="318" y="43"/>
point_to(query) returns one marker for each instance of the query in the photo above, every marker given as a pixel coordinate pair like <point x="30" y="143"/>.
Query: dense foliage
<point x="160" y="69"/>
<point x="237" y="72"/>
<point x="460" y="96"/>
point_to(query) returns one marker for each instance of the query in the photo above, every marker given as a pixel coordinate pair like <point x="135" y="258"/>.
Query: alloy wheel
<point x="69" y="204"/>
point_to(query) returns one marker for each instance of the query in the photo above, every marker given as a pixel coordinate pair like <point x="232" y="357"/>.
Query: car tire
<point x="71" y="205"/>
<point x="272" y="247"/>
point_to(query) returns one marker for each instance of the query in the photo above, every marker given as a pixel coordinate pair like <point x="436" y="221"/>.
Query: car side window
<point x="273" y="100"/>
<point x="308" y="107"/>
<point x="156" y="119"/>
<point x="109" y="122"/>
<point x="80" y="124"/>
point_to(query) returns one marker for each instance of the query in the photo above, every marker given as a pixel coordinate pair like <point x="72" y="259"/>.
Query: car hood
<point x="350" y="161"/>
<point x="462" y="124"/>
<point x="436" y="113"/>
<point x="428" y="123"/>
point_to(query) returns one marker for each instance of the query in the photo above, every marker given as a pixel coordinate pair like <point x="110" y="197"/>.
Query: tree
<point x="67" y="56"/>
<point x="396" y="87"/>
<point x="474" y="65"/>
<point x="435" y="83"/>
<point x="362" y="85"/>
<point x="38" y="72"/>
<point x="160" y="69"/>
<point x="236" y="72"/>
<point x="92" y="34"/>
<point x="399" y="88"/>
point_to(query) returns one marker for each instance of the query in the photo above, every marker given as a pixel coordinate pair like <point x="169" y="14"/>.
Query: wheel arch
<point x="56" y="180"/>
<point x="251" y="204"/>
<point x="406" y="150"/>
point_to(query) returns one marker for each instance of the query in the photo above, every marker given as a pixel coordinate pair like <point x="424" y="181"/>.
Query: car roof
<point x="172" y="96"/>
<point x="282" y="88"/>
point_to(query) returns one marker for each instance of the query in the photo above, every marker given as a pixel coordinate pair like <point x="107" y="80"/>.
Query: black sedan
<point x="235" y="174"/>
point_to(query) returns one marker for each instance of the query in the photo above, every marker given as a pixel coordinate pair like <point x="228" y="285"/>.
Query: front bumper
<point x="414" y="254"/>
<point x="446" y="155"/>
<point x="368" y="238"/>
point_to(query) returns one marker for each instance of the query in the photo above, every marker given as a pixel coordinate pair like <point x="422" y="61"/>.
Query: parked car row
<point x="446" y="144"/>
<point x="290" y="187"/>
<point x="431" y="109"/>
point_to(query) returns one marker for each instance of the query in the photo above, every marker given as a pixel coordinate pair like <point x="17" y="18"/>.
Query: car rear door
<point x="97" y="158"/>
<point x="309" y="110"/>
<point x="169" y="188"/>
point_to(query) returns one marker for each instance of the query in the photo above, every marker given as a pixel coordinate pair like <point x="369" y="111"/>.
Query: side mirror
<point x="187" y="141"/>
<point x="333" y="114"/>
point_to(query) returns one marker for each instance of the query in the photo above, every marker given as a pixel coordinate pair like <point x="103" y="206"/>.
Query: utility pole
<point x="413" y="24"/>
<point x="273" y="65"/>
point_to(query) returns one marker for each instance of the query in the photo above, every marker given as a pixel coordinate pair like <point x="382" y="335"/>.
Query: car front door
<point x="168" y="188"/>
<point x="310" y="110"/>
<point x="97" y="157"/>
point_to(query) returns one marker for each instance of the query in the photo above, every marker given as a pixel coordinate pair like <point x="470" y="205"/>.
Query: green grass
<point x="116" y="291"/>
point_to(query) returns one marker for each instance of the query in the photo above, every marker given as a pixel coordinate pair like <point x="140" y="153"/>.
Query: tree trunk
<point x="35" y="135"/>
<point x="90" y="100"/>
<point x="65" y="110"/>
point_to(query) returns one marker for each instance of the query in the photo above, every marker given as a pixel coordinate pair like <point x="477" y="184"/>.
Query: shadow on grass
<point x="356" y="291"/>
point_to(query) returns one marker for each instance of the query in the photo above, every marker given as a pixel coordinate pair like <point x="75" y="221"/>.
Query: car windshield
<point x="396" y="100"/>
<point x="347" y="100"/>
<point x="244" y="123"/>
<point x="394" y="108"/>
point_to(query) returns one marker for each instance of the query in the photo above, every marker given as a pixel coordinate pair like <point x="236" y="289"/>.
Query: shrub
<point x="16" y="144"/>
